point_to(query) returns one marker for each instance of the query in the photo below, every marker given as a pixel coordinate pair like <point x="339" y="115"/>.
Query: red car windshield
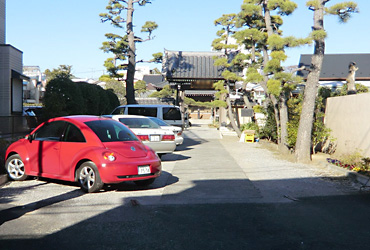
<point x="110" y="131"/>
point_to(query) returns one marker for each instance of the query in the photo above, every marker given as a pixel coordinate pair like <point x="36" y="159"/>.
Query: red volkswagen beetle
<point x="90" y="150"/>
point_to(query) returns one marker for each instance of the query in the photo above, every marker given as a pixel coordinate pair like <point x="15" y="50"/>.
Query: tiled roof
<point x="153" y="79"/>
<point x="335" y="66"/>
<point x="180" y="65"/>
<point x="160" y="85"/>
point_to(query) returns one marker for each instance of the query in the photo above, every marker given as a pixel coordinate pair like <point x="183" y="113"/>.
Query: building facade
<point x="335" y="67"/>
<point x="34" y="89"/>
<point x="11" y="77"/>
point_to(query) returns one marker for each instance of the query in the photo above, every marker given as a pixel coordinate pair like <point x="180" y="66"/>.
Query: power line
<point x="91" y="71"/>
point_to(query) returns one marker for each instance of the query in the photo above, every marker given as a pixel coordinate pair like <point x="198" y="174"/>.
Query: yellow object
<point x="249" y="136"/>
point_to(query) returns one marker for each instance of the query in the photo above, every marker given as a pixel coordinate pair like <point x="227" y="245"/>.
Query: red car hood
<point x="130" y="149"/>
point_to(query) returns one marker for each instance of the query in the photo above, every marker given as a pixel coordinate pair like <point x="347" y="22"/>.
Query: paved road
<point x="213" y="194"/>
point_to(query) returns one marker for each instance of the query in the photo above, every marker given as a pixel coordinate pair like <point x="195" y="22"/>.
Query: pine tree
<point x="123" y="47"/>
<point x="318" y="34"/>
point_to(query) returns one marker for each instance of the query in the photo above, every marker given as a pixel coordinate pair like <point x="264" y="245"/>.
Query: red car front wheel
<point x="15" y="168"/>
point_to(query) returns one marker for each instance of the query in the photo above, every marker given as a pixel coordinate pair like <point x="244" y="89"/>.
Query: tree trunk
<point x="130" y="91"/>
<point x="303" y="144"/>
<point x="267" y="17"/>
<point x="253" y="52"/>
<point x="246" y="100"/>
<point x="231" y="115"/>
<point x="272" y="98"/>
<point x="245" y="97"/>
<point x="222" y="113"/>
<point x="237" y="116"/>
<point x="351" y="78"/>
<point x="283" y="112"/>
<point x="182" y="108"/>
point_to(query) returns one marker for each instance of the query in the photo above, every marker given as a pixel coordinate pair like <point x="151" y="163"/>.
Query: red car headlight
<point x="109" y="156"/>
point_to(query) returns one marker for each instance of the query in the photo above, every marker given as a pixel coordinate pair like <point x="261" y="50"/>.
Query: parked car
<point x="33" y="116"/>
<point x="179" y="139"/>
<point x="89" y="150"/>
<point x="150" y="133"/>
<point x="32" y="110"/>
<point x="168" y="113"/>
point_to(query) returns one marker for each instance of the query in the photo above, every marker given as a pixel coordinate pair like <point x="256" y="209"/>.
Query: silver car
<point x="162" y="141"/>
<point x="179" y="138"/>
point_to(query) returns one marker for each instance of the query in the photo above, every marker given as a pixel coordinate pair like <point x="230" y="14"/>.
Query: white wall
<point x="17" y="92"/>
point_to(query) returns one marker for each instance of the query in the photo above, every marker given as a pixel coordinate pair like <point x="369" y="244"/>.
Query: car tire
<point x="144" y="183"/>
<point x="88" y="177"/>
<point x="15" y="168"/>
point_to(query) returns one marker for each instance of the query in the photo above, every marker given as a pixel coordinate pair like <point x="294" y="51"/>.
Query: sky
<point x="69" y="32"/>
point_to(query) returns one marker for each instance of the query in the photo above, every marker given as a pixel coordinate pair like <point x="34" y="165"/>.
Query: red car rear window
<point x="110" y="130"/>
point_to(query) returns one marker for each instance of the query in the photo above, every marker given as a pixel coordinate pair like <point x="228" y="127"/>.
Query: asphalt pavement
<point x="214" y="193"/>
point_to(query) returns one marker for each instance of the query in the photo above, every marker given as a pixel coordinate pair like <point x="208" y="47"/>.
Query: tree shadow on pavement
<point x="7" y="194"/>
<point x="18" y="211"/>
<point x="232" y="218"/>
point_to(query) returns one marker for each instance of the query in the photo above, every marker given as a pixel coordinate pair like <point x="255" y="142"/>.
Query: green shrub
<point x="89" y="95"/>
<point x="294" y="112"/>
<point x="259" y="109"/>
<point x="320" y="133"/>
<point x="251" y="126"/>
<point x="353" y="159"/>
<point x="269" y="131"/>
<point x="360" y="88"/>
<point x="65" y="97"/>
<point x="113" y="101"/>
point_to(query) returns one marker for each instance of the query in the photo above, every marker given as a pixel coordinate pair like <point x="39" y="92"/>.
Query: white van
<point x="168" y="113"/>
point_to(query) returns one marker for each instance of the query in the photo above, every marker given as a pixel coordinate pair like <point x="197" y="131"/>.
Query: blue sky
<point x="52" y="33"/>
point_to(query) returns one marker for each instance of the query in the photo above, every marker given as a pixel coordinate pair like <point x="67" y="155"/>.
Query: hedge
<point x="65" y="97"/>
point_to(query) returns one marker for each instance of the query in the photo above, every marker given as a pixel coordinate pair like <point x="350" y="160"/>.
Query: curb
<point x="3" y="179"/>
<point x="354" y="176"/>
<point x="364" y="180"/>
